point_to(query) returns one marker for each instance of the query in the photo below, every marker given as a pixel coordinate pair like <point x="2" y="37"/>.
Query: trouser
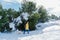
<point x="26" y="31"/>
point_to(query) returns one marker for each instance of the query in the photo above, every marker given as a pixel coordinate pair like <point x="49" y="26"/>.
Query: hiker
<point x="26" y="27"/>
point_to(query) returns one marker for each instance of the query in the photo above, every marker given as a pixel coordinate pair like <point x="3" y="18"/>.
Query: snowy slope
<point x="50" y="31"/>
<point x="53" y="35"/>
<point x="38" y="34"/>
<point x="51" y="28"/>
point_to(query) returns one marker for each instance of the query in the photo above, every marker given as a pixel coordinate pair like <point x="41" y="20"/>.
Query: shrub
<point x="33" y="20"/>
<point x="5" y="27"/>
<point x="21" y="26"/>
<point x="1" y="27"/>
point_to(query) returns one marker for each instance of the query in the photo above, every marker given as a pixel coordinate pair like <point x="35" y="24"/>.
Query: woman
<point x="26" y="27"/>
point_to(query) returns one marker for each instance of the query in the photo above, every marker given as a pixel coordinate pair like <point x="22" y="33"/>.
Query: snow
<point x="25" y="15"/>
<point x="53" y="35"/>
<point x="51" y="28"/>
<point x="18" y="20"/>
<point x="12" y="25"/>
<point x="47" y="31"/>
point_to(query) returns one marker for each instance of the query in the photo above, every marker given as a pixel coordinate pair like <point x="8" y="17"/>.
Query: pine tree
<point x="43" y="14"/>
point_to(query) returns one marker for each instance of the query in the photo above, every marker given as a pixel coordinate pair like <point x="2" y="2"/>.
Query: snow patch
<point x="25" y="16"/>
<point x="51" y="28"/>
<point x="12" y="25"/>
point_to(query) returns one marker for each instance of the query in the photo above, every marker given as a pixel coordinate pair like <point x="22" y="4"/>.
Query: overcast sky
<point x="53" y="6"/>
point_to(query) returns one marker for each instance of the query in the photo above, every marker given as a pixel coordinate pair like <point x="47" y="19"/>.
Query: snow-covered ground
<point x="55" y="35"/>
<point x="48" y="31"/>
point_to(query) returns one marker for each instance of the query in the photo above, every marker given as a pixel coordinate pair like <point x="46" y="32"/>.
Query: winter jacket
<point x="27" y="26"/>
